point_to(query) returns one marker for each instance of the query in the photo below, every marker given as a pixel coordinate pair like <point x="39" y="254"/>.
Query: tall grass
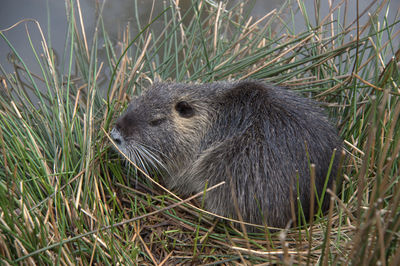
<point x="66" y="197"/>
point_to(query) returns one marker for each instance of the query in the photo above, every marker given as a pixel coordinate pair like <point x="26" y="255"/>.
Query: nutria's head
<point x="164" y="126"/>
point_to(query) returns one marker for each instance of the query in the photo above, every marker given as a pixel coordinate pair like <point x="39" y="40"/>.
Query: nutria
<point x="258" y="138"/>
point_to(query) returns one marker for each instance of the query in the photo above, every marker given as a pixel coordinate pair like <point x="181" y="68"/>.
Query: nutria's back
<point x="251" y="135"/>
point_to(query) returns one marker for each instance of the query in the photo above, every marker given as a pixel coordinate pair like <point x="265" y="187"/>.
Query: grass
<point x="66" y="197"/>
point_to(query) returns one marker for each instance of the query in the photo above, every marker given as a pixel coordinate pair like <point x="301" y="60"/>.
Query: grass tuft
<point x="66" y="197"/>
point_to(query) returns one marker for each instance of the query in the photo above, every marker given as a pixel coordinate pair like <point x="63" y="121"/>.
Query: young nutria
<point x="258" y="138"/>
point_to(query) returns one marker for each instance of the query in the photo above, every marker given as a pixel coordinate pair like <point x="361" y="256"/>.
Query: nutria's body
<point x="251" y="135"/>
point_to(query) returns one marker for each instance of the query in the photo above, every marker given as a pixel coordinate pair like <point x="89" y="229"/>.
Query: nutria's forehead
<point x="160" y="95"/>
<point x="163" y="94"/>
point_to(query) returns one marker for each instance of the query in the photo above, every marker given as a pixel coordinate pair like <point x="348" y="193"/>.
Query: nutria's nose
<point x="116" y="136"/>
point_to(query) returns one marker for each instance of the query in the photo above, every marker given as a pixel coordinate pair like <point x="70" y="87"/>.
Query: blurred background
<point x="51" y="15"/>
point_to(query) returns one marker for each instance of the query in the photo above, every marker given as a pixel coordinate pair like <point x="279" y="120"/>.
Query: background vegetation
<point x="66" y="197"/>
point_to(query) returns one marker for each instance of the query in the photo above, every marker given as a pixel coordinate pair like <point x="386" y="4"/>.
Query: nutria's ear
<point x="184" y="109"/>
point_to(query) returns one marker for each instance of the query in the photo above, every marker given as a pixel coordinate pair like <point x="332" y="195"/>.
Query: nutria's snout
<point x="258" y="138"/>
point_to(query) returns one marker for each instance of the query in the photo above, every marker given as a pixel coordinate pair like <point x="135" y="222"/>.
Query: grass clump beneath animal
<point x="66" y="197"/>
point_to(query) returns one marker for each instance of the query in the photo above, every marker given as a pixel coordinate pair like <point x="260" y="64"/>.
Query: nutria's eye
<point x="157" y="122"/>
<point x="184" y="109"/>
